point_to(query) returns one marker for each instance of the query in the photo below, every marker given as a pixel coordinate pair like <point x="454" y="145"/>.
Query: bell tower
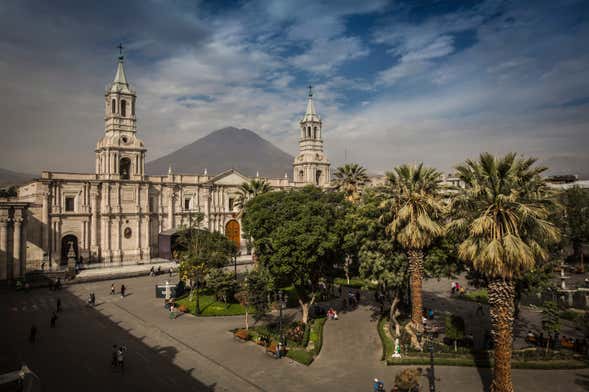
<point x="311" y="165"/>
<point x="120" y="155"/>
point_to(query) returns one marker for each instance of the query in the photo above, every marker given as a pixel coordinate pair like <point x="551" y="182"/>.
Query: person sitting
<point x="330" y="314"/>
<point x="334" y="315"/>
<point x="159" y="270"/>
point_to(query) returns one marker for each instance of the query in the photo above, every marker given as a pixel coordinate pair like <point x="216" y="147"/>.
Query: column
<point x="17" y="259"/>
<point x="46" y="223"/>
<point x="4" y="244"/>
<point x="171" y="209"/>
<point x="94" y="224"/>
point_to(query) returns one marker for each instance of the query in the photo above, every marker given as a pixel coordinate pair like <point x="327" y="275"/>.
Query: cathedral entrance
<point x="233" y="233"/>
<point x="68" y="241"/>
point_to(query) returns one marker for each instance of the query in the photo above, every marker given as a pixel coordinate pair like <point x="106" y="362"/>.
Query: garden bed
<point x="444" y="356"/>
<point x="209" y="306"/>
<point x="302" y="345"/>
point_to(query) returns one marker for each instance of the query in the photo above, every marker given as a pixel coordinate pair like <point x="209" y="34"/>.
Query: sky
<point x="394" y="81"/>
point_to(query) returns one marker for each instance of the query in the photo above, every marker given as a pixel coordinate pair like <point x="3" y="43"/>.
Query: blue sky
<point x="395" y="81"/>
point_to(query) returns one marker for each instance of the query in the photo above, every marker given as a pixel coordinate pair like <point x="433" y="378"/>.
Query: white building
<point x="118" y="212"/>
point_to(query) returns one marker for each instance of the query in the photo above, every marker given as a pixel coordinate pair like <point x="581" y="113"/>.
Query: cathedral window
<point x="317" y="176"/>
<point x="125" y="168"/>
<point x="309" y="132"/>
<point x="231" y="204"/>
<point x="123" y="108"/>
<point x="151" y="204"/>
<point x="70" y="204"/>
<point x="187" y="203"/>
<point x="132" y="107"/>
<point x="128" y="233"/>
<point x="113" y="106"/>
<point x="316" y="134"/>
<point x="301" y="174"/>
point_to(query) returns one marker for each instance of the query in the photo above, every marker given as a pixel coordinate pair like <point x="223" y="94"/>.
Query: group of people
<point x="331" y="314"/>
<point x="457" y="288"/>
<point x="378" y="386"/>
<point x="122" y="291"/>
<point x="353" y="299"/>
<point x="556" y="341"/>
<point x="154" y="272"/>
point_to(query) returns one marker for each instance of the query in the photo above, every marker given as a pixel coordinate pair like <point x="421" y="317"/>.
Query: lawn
<point x="210" y="307"/>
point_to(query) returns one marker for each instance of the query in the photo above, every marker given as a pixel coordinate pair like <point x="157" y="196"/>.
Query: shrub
<point x="182" y="309"/>
<point x="570" y="315"/>
<point x="296" y="332"/>
<point x="306" y="335"/>
<point x="242" y="334"/>
<point x="387" y="343"/>
<point x="454" y="328"/>
<point x="301" y="356"/>
<point x="317" y="334"/>
<point x="407" y="379"/>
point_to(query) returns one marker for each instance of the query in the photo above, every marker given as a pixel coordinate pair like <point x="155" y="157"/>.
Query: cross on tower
<point x="120" y="51"/>
<point x="310" y="91"/>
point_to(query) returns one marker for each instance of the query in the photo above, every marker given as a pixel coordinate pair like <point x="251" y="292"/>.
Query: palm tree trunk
<point x="502" y="307"/>
<point x="416" y="278"/>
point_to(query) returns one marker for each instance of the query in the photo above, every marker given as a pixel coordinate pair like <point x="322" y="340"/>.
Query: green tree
<point x="249" y="190"/>
<point x="298" y="236"/>
<point x="416" y="208"/>
<point x="503" y="213"/>
<point x="203" y="252"/>
<point x="222" y="283"/>
<point x="550" y="320"/>
<point x="350" y="178"/>
<point x="575" y="201"/>
<point x="454" y="328"/>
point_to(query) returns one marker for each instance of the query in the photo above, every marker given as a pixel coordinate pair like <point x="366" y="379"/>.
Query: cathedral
<point x="118" y="213"/>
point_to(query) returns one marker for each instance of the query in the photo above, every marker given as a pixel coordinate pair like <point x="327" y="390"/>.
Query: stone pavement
<point x="198" y="353"/>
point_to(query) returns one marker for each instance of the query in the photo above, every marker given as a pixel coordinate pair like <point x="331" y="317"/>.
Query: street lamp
<point x="432" y="381"/>
<point x="281" y="299"/>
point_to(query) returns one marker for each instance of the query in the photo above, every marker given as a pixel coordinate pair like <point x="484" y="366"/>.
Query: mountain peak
<point x="226" y="148"/>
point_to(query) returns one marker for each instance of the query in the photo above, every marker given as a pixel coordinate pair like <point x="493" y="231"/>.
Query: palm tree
<point x="249" y="190"/>
<point x="503" y="213"/>
<point x="350" y="178"/>
<point x="416" y="209"/>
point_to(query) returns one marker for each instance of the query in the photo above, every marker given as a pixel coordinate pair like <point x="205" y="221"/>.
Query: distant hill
<point x="9" y="177"/>
<point x="227" y="148"/>
<point x="561" y="165"/>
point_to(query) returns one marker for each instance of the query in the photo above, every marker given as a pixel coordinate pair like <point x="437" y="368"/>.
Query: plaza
<point x="199" y="353"/>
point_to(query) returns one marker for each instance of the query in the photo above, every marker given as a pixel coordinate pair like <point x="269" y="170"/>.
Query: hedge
<point x="303" y="356"/>
<point x="317" y="334"/>
<point x="387" y="344"/>
<point x="570" y="364"/>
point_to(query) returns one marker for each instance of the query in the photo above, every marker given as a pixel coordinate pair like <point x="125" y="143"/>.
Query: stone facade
<point x="116" y="214"/>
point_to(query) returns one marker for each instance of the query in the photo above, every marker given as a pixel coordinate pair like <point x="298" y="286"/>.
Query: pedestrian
<point x="113" y="359"/>
<point x="151" y="271"/>
<point x="453" y="287"/>
<point x="123" y="289"/>
<point x="53" y="320"/>
<point x="377" y="385"/>
<point x="172" y="311"/>
<point x="159" y="270"/>
<point x="112" y="289"/>
<point x="121" y="358"/>
<point x="58" y="305"/>
<point x="33" y="333"/>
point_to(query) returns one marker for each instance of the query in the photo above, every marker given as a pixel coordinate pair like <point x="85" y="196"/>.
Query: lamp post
<point x="432" y="382"/>
<point x="281" y="298"/>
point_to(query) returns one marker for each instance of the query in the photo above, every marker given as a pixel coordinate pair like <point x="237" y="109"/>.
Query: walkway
<point x="191" y="353"/>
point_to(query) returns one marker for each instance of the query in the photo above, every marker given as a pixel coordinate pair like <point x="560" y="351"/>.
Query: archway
<point x="233" y="233"/>
<point x="125" y="168"/>
<point x="66" y="241"/>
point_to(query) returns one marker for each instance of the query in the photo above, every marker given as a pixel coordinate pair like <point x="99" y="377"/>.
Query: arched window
<point x="316" y="133"/>
<point x="125" y="168"/>
<point x="317" y="176"/>
<point x="301" y="174"/>
<point x="309" y="132"/>
<point x="132" y="107"/>
<point x="113" y="106"/>
<point x="123" y="108"/>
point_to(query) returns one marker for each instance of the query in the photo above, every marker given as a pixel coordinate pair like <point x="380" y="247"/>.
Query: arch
<point x="316" y="133"/>
<point x="67" y="242"/>
<point x="125" y="168"/>
<point x="317" y="177"/>
<point x="123" y="108"/>
<point x="301" y="174"/>
<point x="308" y="131"/>
<point x="132" y="107"/>
<point x="233" y="232"/>
<point x="113" y="106"/>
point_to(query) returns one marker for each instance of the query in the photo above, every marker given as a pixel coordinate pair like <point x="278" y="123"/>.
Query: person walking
<point x="123" y="289"/>
<point x="112" y="289"/>
<point x="53" y="320"/>
<point x="121" y="358"/>
<point x="33" y="333"/>
<point x="58" y="305"/>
